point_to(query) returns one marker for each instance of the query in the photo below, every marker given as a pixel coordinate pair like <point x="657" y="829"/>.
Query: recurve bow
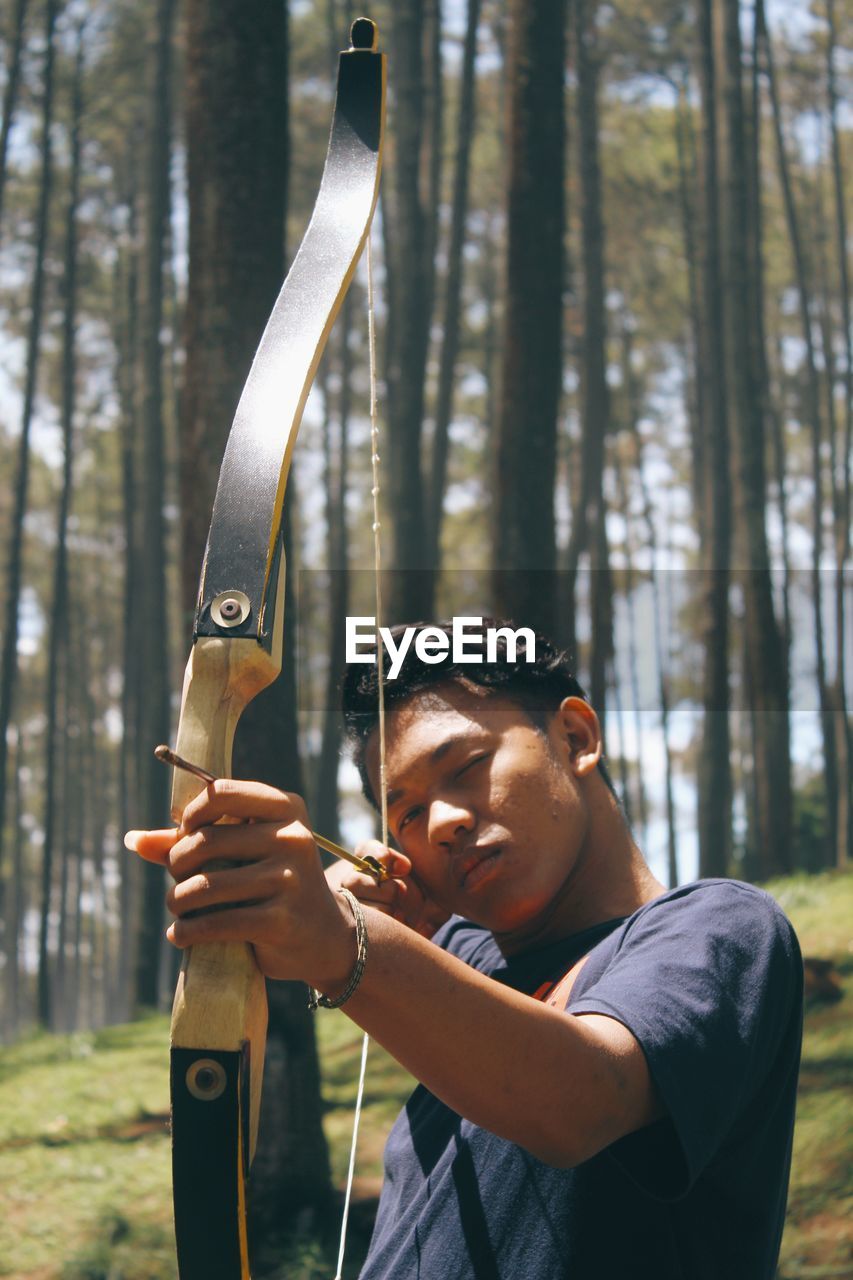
<point x="220" y="1010"/>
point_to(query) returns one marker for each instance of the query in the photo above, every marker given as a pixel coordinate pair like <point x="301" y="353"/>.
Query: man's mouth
<point x="476" y="864"/>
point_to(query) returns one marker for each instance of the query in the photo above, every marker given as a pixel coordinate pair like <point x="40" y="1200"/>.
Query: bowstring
<point x="383" y="790"/>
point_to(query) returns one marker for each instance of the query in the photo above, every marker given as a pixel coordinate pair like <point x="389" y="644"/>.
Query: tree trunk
<point x="622" y="764"/>
<point x="75" y="806"/>
<point x="410" y="240"/>
<point x="434" y="140"/>
<point x="595" y="397"/>
<point x="661" y="614"/>
<point x="632" y="814"/>
<point x="836" y="802"/>
<point x="125" y="324"/>
<point x="715" y="803"/>
<point x="236" y="174"/>
<point x="768" y="674"/>
<point x="152" y="616"/>
<point x="633" y="410"/>
<point x="326" y="803"/>
<point x="68" y="853"/>
<point x="11" y="601"/>
<point x="58" y="638"/>
<point x="844" y="746"/>
<point x="662" y="658"/>
<point x="237" y="140"/>
<point x="524" y="547"/>
<point x="813" y="415"/>
<point x="453" y="285"/>
<point x="696" y="409"/>
<point x="10" y="93"/>
<point x="15" y="901"/>
<point x="91" y="987"/>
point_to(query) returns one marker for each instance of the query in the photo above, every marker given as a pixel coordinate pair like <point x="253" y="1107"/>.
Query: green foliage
<point x="811" y="829"/>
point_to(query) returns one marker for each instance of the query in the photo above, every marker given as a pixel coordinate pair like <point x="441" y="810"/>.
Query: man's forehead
<point x="450" y="708"/>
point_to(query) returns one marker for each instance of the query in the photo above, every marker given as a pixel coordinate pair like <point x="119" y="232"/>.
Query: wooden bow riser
<point x="220" y="1011"/>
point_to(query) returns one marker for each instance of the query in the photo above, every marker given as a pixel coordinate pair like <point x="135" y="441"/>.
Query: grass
<point x="84" y="1155"/>
<point x="387" y="1087"/>
<point x="85" y="1178"/>
<point x="84" y="1151"/>
<point x="818" y="1240"/>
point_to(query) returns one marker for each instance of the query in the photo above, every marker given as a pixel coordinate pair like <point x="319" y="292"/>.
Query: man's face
<point x="491" y="810"/>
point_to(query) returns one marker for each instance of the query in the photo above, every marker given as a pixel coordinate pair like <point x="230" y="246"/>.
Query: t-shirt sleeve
<point x="708" y="983"/>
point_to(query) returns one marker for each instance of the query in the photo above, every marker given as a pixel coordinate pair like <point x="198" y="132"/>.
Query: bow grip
<point x="219" y="1017"/>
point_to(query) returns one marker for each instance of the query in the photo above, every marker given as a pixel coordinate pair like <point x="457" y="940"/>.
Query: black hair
<point x="537" y="687"/>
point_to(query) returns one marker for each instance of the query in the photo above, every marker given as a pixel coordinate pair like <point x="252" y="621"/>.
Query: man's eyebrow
<point x="435" y="756"/>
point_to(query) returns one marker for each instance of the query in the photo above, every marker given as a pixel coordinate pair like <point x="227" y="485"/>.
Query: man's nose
<point x="447" y="819"/>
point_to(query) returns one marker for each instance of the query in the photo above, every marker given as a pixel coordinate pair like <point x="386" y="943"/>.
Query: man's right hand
<point x="401" y="897"/>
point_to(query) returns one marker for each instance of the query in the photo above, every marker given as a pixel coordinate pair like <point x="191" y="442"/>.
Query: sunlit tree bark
<point x="152" y="712"/>
<point x="814" y="419"/>
<point x="453" y="284"/>
<point x="237" y="137"/>
<point x="10" y="92"/>
<point x="524" y="550"/>
<point x="714" y="776"/>
<point x="57" y="641"/>
<point x="409" y="218"/>
<point x="15" y="554"/>
<point x="767" y="669"/>
<point x="844" y="745"/>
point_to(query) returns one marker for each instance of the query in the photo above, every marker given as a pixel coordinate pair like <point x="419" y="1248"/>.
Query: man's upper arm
<point x="706" y="986"/>
<point x="628" y="1098"/>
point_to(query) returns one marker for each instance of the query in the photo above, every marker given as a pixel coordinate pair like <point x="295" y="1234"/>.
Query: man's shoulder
<point x="719" y="923"/>
<point x="704" y="934"/>
<point x="471" y="942"/>
<point x="722" y="905"/>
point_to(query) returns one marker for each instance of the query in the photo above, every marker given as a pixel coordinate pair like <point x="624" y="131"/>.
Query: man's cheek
<point x="437" y="889"/>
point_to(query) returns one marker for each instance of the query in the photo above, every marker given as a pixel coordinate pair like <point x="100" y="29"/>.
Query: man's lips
<point x="474" y="863"/>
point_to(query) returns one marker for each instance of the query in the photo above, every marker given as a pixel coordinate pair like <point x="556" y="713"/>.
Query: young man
<point x="608" y="1070"/>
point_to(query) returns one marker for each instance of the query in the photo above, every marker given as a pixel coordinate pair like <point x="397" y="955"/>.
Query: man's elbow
<point x="584" y="1134"/>
<point x="563" y="1148"/>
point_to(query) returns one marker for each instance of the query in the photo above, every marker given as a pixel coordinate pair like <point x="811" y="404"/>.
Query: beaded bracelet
<point x="315" y="999"/>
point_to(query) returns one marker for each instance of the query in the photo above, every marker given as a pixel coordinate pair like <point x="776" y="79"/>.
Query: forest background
<point x="615" y="393"/>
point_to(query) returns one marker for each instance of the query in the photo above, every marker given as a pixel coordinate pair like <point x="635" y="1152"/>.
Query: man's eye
<point x="471" y="763"/>
<point x="409" y="816"/>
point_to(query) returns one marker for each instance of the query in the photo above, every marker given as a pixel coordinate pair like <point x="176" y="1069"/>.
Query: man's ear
<point x="580" y="728"/>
